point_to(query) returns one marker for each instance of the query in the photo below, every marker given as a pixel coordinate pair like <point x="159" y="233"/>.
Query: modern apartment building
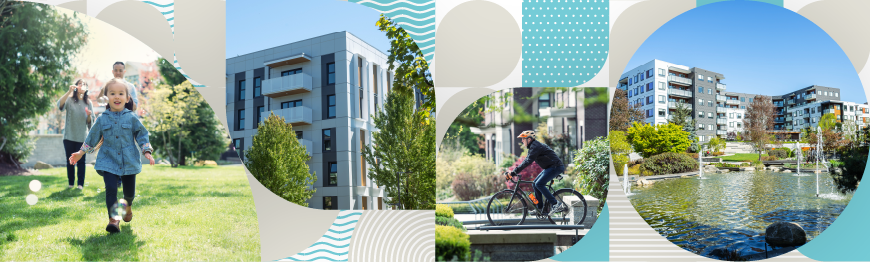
<point x="659" y="87"/>
<point x="563" y="110"/>
<point x="326" y="87"/>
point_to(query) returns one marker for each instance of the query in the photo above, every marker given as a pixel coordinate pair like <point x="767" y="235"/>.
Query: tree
<point x="759" y="119"/>
<point x="682" y="116"/>
<point x="648" y="140"/>
<point x="277" y="160"/>
<point x="828" y="121"/>
<point x="619" y="148"/>
<point x="462" y="133"/>
<point x="407" y="62"/>
<point x="183" y="125"/>
<point x="37" y="45"/>
<point x="621" y="114"/>
<point x="716" y="144"/>
<point x="170" y="74"/>
<point x="404" y="146"/>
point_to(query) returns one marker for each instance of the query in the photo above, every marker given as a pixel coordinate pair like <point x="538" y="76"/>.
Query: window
<point x="700" y="90"/>
<point x="738" y="125"/>
<point x="241" y="118"/>
<point x="731" y="124"/>
<point x="836" y="94"/>
<point x="642" y="76"/>
<point x="731" y="115"/>
<point x="327" y="139"/>
<point x="649" y="73"/>
<point x="710" y="127"/>
<point x="258" y="87"/>
<point x="739" y="116"/>
<point x="630" y="82"/>
<point x="701" y="101"/>
<point x="629" y="93"/>
<point x="241" y="90"/>
<point x="700" y="126"/>
<point x="330" y="106"/>
<point x="661" y="85"/>
<point x="330" y="203"/>
<point x="359" y="66"/>
<point x="649" y="113"/>
<point x="710" y="79"/>
<point x="375" y="87"/>
<point x="701" y="77"/>
<point x="661" y="99"/>
<point x="361" y="96"/>
<point x="290" y="104"/>
<point x="661" y="71"/>
<point x="260" y="110"/>
<point x="750" y="100"/>
<point x="641" y="90"/>
<point x="332" y="179"/>
<point x="709" y="103"/>
<point x="709" y="91"/>
<point x="709" y="115"/>
<point x="237" y="145"/>
<point x="661" y="112"/>
<point x="649" y="86"/>
<point x="742" y="107"/>
<point x="544" y="100"/>
<point x="298" y="134"/>
<point x="701" y="138"/>
<point x="330" y="73"/>
<point x="649" y="100"/>
<point x="701" y="114"/>
<point x="292" y="72"/>
<point x="742" y="99"/>
<point x="635" y="79"/>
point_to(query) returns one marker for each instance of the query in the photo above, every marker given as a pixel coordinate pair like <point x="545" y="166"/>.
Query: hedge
<point x="446" y="221"/>
<point x="443" y="211"/>
<point x="669" y="163"/>
<point x="450" y="243"/>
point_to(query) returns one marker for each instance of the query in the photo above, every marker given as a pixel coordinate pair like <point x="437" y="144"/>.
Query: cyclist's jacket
<point x="541" y="154"/>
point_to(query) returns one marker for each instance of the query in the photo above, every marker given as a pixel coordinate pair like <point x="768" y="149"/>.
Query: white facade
<point x="655" y="101"/>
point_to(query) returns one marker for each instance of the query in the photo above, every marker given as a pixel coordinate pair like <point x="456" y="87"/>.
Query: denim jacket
<point x="118" y="154"/>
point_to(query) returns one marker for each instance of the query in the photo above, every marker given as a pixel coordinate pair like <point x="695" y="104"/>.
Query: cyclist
<point x="546" y="159"/>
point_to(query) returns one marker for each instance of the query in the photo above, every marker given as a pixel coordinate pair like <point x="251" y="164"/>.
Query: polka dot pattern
<point x="565" y="42"/>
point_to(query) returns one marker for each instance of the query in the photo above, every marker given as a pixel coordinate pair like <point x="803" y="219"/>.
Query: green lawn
<point x="741" y="157"/>
<point x="180" y="214"/>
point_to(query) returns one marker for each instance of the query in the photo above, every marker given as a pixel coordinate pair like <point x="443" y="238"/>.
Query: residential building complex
<point x="660" y="87"/>
<point x="563" y="110"/>
<point x="326" y="87"/>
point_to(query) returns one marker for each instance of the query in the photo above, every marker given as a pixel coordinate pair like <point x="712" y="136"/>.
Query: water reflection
<point x="732" y="210"/>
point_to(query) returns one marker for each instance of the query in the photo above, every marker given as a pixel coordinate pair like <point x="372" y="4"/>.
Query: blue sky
<point x="256" y="25"/>
<point x="760" y="48"/>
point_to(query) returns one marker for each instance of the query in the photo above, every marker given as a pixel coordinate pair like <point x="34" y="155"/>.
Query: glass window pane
<point x="331" y="112"/>
<point x="330" y="100"/>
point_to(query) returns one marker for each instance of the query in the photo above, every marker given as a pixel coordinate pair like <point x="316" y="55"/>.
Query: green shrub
<point x="669" y="163"/>
<point x="443" y="211"/>
<point x="853" y="167"/>
<point x="648" y="140"/>
<point x="593" y="164"/>
<point x="449" y="221"/>
<point x="278" y="161"/>
<point x="779" y="153"/>
<point x="450" y="243"/>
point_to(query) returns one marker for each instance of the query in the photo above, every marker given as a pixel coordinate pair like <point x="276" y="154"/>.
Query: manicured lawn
<point x="180" y="214"/>
<point x="741" y="157"/>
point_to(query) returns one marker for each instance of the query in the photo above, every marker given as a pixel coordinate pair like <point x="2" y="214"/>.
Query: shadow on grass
<point x="123" y="246"/>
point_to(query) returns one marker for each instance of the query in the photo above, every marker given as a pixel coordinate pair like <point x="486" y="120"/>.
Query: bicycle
<point x="509" y="206"/>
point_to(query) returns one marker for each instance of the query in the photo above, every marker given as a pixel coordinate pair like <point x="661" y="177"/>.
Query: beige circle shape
<point x="457" y="102"/>
<point x="479" y="44"/>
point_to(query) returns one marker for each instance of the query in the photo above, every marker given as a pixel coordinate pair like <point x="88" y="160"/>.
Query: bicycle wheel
<point x="506" y="208"/>
<point x="575" y="201"/>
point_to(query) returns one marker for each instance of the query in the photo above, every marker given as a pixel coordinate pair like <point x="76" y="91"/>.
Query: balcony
<point x="558" y="112"/>
<point x="297" y="116"/>
<point x="308" y="145"/>
<point x="720" y="86"/>
<point x="778" y="120"/>
<point x="791" y="102"/>
<point x="732" y="102"/>
<point x="721" y="121"/>
<point x="721" y="110"/>
<point x="673" y="105"/>
<point x="721" y="98"/>
<point x="721" y="132"/>
<point x="788" y="119"/>
<point x="828" y="111"/>
<point x="679" y="80"/>
<point x="678" y="92"/>
<point x="810" y="97"/>
<point x="287" y="85"/>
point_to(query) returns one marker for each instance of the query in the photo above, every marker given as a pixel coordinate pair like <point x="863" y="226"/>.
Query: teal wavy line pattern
<point x="178" y="67"/>
<point x="334" y="244"/>
<point x="417" y="17"/>
<point x="167" y="8"/>
<point x="565" y="43"/>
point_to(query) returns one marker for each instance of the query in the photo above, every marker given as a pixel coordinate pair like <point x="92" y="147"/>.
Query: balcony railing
<point x="680" y="80"/>
<point x="778" y="120"/>
<point x="720" y="86"/>
<point x="732" y="102"/>
<point x="721" y="121"/>
<point x="791" y="102"/>
<point x="296" y="116"/>
<point x="721" y="98"/>
<point x="678" y="92"/>
<point x="721" y="132"/>
<point x="721" y="110"/>
<point x="287" y="85"/>
<point x="828" y="111"/>
<point x="673" y="105"/>
<point x="788" y="118"/>
<point x="810" y="97"/>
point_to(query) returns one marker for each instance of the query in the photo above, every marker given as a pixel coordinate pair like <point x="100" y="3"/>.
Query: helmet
<point x="527" y="133"/>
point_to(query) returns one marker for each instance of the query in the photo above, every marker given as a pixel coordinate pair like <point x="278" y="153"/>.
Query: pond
<point x="732" y="210"/>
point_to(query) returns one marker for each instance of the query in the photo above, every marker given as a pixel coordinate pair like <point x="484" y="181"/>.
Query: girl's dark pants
<point x="111" y="181"/>
<point x="71" y="147"/>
